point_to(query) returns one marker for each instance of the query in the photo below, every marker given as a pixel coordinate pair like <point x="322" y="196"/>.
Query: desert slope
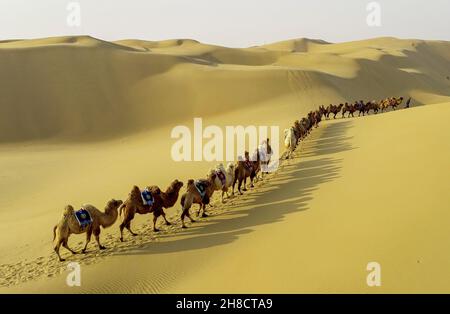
<point x="85" y="89"/>
<point x="359" y="190"/>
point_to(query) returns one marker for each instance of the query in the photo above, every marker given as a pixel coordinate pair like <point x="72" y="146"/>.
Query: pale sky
<point x="233" y="23"/>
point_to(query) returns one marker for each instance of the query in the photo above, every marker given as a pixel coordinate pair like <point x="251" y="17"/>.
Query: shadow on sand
<point x="288" y="191"/>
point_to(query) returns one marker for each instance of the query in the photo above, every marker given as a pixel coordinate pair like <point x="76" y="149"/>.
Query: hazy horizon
<point x="232" y="23"/>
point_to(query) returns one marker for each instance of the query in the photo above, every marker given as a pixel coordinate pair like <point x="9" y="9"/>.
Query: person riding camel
<point x="248" y="164"/>
<point x="408" y="103"/>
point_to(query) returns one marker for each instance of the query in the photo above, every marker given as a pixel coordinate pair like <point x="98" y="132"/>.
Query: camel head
<point x="176" y="185"/>
<point x="135" y="190"/>
<point x="212" y="176"/>
<point x="230" y="167"/>
<point x="68" y="210"/>
<point x="112" y="205"/>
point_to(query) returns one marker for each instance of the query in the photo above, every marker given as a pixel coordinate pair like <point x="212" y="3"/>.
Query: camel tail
<point x="183" y="198"/>
<point x="54" y="232"/>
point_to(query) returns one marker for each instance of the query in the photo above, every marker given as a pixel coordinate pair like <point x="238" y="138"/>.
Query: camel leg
<point x="155" y="218"/>
<point x="165" y="219"/>
<point x="67" y="247"/>
<point x="122" y="226"/>
<point x="239" y="186"/>
<point x="255" y="177"/>
<point x="204" y="211"/>
<point x="126" y="223"/>
<point x="245" y="184"/>
<point x="56" y="248"/>
<point x="185" y="213"/>
<point x="88" y="239"/>
<point x="234" y="183"/>
<point x="97" y="238"/>
<point x="128" y="226"/>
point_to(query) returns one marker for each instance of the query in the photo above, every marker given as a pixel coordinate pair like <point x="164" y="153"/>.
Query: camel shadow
<point x="289" y="192"/>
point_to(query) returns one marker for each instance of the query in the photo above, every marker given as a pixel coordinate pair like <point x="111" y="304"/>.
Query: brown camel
<point x="170" y="196"/>
<point x="372" y="105"/>
<point x="348" y="108"/>
<point x="136" y="205"/>
<point x="69" y="224"/>
<point x="328" y="111"/>
<point x="396" y="102"/>
<point x="246" y="169"/>
<point x="197" y="192"/>
<point x="336" y="109"/>
<point x="384" y="104"/>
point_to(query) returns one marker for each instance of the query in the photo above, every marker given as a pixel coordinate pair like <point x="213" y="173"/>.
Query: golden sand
<point x="93" y="118"/>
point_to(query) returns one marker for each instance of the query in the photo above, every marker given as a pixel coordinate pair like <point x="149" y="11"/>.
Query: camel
<point x="359" y="105"/>
<point x="384" y="104"/>
<point x="298" y="130"/>
<point x="170" y="196"/>
<point x="69" y="224"/>
<point x="224" y="178"/>
<point x="317" y="117"/>
<point x="372" y="105"/>
<point x="323" y="110"/>
<point x="336" y="109"/>
<point x="306" y="124"/>
<point x="328" y="111"/>
<point x="396" y="102"/>
<point x="301" y="129"/>
<point x="390" y="102"/>
<point x="247" y="169"/>
<point x="135" y="204"/>
<point x="197" y="192"/>
<point x="290" y="141"/>
<point x="348" y="108"/>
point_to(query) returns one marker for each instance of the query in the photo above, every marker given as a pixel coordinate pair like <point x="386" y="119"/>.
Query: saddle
<point x="147" y="197"/>
<point x="201" y="188"/>
<point x="222" y="177"/>
<point x="248" y="165"/>
<point x="83" y="217"/>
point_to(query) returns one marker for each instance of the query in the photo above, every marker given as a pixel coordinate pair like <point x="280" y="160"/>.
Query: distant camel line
<point x="151" y="199"/>
<point x="301" y="128"/>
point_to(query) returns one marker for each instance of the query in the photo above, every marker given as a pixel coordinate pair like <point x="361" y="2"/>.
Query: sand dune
<point x="311" y="227"/>
<point x="82" y="88"/>
<point x="82" y="120"/>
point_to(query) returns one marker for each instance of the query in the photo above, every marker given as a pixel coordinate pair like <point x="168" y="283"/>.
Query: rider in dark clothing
<point x="408" y="103"/>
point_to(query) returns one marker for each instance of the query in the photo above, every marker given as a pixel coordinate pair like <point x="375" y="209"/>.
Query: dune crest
<point x="81" y="88"/>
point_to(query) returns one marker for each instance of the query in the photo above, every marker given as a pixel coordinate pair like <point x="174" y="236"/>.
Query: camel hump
<point x="154" y="189"/>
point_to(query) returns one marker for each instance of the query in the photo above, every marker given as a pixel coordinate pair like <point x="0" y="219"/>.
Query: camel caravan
<point x="151" y="199"/>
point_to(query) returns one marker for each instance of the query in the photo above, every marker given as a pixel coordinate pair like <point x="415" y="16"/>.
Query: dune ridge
<point x="82" y="88"/>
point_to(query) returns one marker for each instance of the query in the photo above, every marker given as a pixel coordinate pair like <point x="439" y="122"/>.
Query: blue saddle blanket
<point x="201" y="188"/>
<point x="147" y="197"/>
<point x="83" y="217"/>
